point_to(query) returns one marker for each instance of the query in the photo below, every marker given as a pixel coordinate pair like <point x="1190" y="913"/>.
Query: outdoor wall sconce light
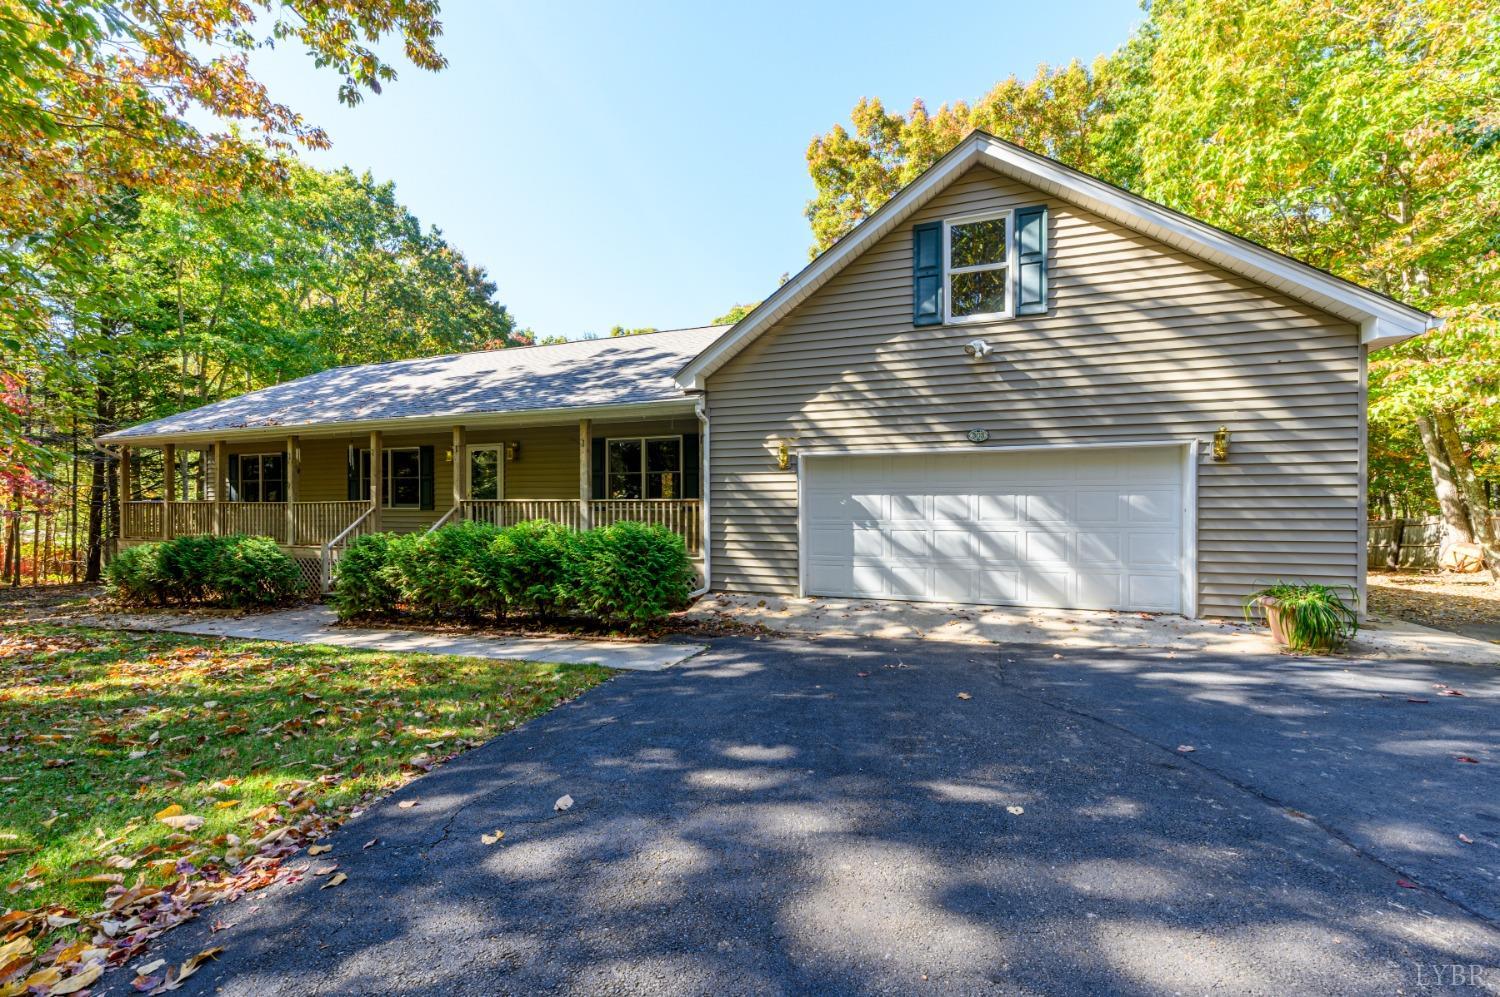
<point x="783" y="456"/>
<point x="1221" y="444"/>
<point x="512" y="452"/>
<point x="448" y="456"/>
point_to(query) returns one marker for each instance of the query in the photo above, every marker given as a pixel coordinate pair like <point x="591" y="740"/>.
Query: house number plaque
<point x="978" y="435"/>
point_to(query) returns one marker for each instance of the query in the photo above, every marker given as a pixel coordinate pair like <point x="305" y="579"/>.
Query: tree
<point x="735" y="314"/>
<point x="617" y="331"/>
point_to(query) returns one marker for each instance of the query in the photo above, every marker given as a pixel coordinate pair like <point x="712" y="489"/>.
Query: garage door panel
<point x="954" y="544"/>
<point x="1155" y="506"/>
<point x="1049" y="507"/>
<point x="997" y="545"/>
<point x="999" y="508"/>
<point x="1069" y="528"/>
<point x="1101" y="588"/>
<point x="1044" y="545"/>
<point x="1100" y="507"/>
<point x="1098" y="547"/>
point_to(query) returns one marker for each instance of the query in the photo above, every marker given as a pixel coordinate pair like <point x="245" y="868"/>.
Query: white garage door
<point x="1083" y="528"/>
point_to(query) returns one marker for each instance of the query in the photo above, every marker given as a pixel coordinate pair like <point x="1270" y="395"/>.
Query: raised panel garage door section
<point x="1068" y="528"/>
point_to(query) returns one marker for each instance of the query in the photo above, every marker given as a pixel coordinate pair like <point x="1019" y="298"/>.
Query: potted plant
<point x="1305" y="616"/>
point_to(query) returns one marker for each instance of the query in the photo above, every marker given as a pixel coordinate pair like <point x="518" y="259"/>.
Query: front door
<point x="487" y="472"/>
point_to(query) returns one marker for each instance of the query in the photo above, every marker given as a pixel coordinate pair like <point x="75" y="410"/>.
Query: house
<point x="1012" y="384"/>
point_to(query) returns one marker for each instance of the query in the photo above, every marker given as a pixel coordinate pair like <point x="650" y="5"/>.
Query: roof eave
<point x="414" y="424"/>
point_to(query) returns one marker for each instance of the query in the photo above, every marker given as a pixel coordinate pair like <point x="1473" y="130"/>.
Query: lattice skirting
<point x="312" y="575"/>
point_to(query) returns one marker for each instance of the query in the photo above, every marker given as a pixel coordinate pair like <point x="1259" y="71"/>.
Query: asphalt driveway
<point x="832" y="816"/>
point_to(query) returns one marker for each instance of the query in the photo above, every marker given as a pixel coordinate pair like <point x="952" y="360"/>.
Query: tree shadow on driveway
<point x="831" y="816"/>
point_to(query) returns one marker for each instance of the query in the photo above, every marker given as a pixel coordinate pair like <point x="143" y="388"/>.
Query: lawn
<point x="140" y="774"/>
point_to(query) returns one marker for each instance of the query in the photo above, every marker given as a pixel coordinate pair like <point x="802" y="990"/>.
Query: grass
<point x="102" y="732"/>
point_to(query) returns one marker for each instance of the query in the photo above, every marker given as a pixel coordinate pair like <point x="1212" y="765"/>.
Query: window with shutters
<point x="261" y="477"/>
<point x="400" y="477"/>
<point x="977" y="267"/>
<point x="980" y="267"/>
<point x="649" y="467"/>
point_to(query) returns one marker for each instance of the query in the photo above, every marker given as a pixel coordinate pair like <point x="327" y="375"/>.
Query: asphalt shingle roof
<point x="585" y="373"/>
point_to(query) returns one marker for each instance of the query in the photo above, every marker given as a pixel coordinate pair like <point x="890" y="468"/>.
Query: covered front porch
<point x="313" y="491"/>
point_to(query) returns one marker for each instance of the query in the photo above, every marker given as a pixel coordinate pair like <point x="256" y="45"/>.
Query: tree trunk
<point x="1450" y="500"/>
<point x="1469" y="487"/>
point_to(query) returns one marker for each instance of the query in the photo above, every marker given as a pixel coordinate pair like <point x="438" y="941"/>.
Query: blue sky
<point x="644" y="164"/>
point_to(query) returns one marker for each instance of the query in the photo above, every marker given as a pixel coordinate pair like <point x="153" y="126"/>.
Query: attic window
<point x="976" y="266"/>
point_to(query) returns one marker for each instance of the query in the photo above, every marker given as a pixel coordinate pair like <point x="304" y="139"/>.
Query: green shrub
<point x="360" y="585"/>
<point x="528" y="562"/>
<point x="628" y="573"/>
<point x="448" y="572"/>
<point x="253" y="571"/>
<point x="134" y="575"/>
<point x="187" y="566"/>
<point x="1313" y="616"/>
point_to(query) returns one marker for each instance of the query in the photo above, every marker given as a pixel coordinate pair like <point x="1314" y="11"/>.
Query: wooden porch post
<point x="221" y="484"/>
<point x="168" y="487"/>
<point x="461" y="468"/>
<point x="124" y="491"/>
<point x="293" y="473"/>
<point x="375" y="480"/>
<point x="585" y="474"/>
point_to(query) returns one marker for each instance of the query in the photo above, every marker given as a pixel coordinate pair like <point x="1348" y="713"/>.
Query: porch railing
<point x="257" y="519"/>
<point x="141" y="520"/>
<point x="509" y="512"/>
<point x="683" y="517"/>
<point x="191" y="519"/>
<point x="316" y="523"/>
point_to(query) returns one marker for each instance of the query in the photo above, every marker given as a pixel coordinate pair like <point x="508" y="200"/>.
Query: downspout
<point x="701" y="409"/>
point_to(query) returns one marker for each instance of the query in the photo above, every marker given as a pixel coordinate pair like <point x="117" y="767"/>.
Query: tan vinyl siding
<point x="1140" y="342"/>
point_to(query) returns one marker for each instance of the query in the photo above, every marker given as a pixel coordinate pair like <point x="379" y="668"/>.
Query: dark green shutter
<point x="232" y="478"/>
<point x="691" y="486"/>
<point x="927" y="274"/>
<point x="425" y="469"/>
<point x="353" y="475"/>
<point x="1031" y="261"/>
<point x="596" y="468"/>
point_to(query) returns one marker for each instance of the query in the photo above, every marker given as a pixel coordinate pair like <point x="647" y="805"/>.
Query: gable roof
<point x="586" y="374"/>
<point x="1382" y="321"/>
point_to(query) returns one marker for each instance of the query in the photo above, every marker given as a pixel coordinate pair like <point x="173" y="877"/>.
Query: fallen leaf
<point x="1185" y="748"/>
<point x="171" y="811"/>
<point x="334" y="880"/>
<point x="150" y="967"/>
<point x="564" y="802"/>
<point x="1453" y="692"/>
<point x="1407" y="884"/>
<point x="1466" y="839"/>
<point x="1410" y="700"/>
<point x="407" y="804"/>
<point x="1466" y="758"/>
<point x="324" y="870"/>
<point x="226" y="804"/>
<point x="319" y="849"/>
<point x="490" y="839"/>
<point x="79" y="980"/>
<point x="183" y="822"/>
<point x="964" y="695"/>
<point x="1018" y="811"/>
<point x="371" y="843"/>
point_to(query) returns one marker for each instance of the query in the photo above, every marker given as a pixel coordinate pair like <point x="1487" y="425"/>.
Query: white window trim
<point x="1009" y="266"/>
<point x="386" y="501"/>
<point x="239" y="485"/>
<point x="498" y="449"/>
<point x="643" y="440"/>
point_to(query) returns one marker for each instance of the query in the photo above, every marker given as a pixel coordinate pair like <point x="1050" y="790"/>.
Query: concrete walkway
<point x="1378" y="639"/>
<point x="317" y="625"/>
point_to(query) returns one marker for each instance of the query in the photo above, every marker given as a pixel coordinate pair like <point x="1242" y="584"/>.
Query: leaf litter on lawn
<point x="146" y="776"/>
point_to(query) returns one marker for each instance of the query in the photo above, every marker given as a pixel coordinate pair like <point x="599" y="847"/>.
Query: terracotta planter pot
<point x="1280" y="626"/>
